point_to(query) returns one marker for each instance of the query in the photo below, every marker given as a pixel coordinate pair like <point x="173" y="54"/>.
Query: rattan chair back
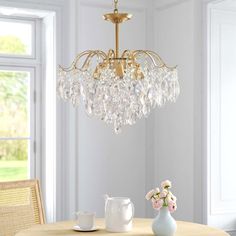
<point x="20" y="206"/>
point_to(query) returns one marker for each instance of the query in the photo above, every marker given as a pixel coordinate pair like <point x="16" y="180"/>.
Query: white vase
<point x="164" y="224"/>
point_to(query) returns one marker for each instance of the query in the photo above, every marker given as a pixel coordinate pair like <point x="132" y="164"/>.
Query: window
<point x="28" y="106"/>
<point x="16" y="37"/>
<point x="19" y="66"/>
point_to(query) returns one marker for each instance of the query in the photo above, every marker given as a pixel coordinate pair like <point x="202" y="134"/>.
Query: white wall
<point x="178" y="40"/>
<point x="174" y="124"/>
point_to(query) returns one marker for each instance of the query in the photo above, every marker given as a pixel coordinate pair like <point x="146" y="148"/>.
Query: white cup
<point x="85" y="220"/>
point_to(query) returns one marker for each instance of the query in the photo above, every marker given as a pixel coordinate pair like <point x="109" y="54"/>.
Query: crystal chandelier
<point x="118" y="89"/>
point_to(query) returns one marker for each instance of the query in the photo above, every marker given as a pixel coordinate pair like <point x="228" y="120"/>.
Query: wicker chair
<point x="20" y="206"/>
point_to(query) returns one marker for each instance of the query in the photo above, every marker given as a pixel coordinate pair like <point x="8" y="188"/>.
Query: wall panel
<point x="222" y="115"/>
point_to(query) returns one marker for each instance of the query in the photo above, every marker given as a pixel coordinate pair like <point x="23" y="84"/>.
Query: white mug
<point x="85" y="220"/>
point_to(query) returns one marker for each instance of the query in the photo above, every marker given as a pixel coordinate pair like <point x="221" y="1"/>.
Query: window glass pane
<point x="15" y="37"/>
<point x="14" y="103"/>
<point x="14" y="159"/>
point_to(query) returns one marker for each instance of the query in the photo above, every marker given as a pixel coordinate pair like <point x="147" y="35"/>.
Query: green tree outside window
<point x="13" y="114"/>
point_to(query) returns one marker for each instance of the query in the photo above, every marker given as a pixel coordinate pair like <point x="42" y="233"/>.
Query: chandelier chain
<point x="116" y="6"/>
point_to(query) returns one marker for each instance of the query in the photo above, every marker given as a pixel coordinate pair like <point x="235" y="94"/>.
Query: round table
<point x="141" y="227"/>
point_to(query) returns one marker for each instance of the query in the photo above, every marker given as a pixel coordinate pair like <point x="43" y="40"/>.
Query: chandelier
<point x="118" y="89"/>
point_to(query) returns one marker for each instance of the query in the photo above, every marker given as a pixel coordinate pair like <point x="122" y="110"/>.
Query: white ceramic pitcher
<point x="119" y="212"/>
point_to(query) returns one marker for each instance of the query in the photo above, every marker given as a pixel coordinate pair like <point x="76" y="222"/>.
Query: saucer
<point x="77" y="228"/>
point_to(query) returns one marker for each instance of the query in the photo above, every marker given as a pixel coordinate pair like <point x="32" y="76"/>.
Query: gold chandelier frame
<point x="112" y="58"/>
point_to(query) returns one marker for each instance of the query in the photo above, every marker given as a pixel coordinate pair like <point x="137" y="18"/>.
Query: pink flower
<point x="154" y="199"/>
<point x="172" y="206"/>
<point x="166" y="184"/>
<point x="157" y="204"/>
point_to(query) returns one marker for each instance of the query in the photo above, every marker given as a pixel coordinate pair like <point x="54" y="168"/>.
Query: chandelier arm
<point x="101" y="53"/>
<point x="160" y="60"/>
<point x="140" y="52"/>
<point x="155" y="55"/>
<point x="111" y="53"/>
<point x="98" y="53"/>
<point x="89" y="53"/>
<point x="67" y="69"/>
<point x="126" y="52"/>
<point x="88" y="59"/>
<point x="156" y="59"/>
<point x="73" y="65"/>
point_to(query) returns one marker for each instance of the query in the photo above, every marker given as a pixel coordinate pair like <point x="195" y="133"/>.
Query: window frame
<point x="51" y="50"/>
<point x="32" y="64"/>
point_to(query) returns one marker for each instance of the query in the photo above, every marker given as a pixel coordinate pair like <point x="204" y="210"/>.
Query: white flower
<point x="150" y="194"/>
<point x="166" y="184"/>
<point x="173" y="198"/>
<point x="157" y="191"/>
<point x="163" y="193"/>
<point x="155" y="198"/>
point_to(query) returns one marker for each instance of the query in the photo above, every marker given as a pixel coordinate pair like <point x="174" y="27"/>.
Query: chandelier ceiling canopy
<point x="118" y="89"/>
